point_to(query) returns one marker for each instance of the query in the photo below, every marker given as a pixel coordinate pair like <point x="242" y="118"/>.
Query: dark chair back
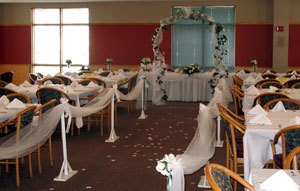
<point x="66" y="80"/>
<point x="46" y="94"/>
<point x="22" y="97"/>
<point x="3" y="83"/>
<point x="7" y="76"/>
<point x="6" y="91"/>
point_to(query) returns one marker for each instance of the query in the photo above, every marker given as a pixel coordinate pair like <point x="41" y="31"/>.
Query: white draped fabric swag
<point x="202" y="146"/>
<point x="33" y="136"/>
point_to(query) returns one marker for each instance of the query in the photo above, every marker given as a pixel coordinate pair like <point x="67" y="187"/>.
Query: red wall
<point x="254" y="41"/>
<point x="294" y="45"/>
<point x="126" y="44"/>
<point x="15" y="45"/>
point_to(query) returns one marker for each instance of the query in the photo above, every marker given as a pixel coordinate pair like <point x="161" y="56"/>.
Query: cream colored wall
<point x="140" y="12"/>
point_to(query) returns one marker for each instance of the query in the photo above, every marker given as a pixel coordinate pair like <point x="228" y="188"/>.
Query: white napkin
<point x="257" y="110"/>
<point x="279" y="107"/>
<point x="273" y="88"/>
<point x="48" y="82"/>
<point x="268" y="72"/>
<point x="100" y="70"/>
<point x="120" y="71"/>
<point x="4" y="100"/>
<point x="278" y="182"/>
<point x="250" y="79"/>
<point x="293" y="77"/>
<point x="26" y="84"/>
<point x="22" y="89"/>
<point x="79" y="87"/>
<point x="74" y="84"/>
<point x="252" y="90"/>
<point x="294" y="72"/>
<point x="242" y="72"/>
<point x="48" y="76"/>
<point x="258" y="77"/>
<point x="11" y="86"/>
<point x="16" y="104"/>
<point x="294" y="121"/>
<point x="110" y="74"/>
<point x="260" y="119"/>
<point x="92" y="85"/>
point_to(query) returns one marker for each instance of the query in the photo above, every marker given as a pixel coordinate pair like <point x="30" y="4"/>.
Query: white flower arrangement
<point x="165" y="167"/>
<point x="146" y="63"/>
<point x="191" y="69"/>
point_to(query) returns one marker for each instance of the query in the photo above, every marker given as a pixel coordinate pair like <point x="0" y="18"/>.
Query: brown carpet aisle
<point x="126" y="165"/>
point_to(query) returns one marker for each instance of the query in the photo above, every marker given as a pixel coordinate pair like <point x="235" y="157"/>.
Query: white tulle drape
<point x="202" y="146"/>
<point x="31" y="136"/>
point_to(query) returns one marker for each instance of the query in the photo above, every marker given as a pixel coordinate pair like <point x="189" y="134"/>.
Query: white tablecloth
<point x="249" y="98"/>
<point x="182" y="87"/>
<point x="256" y="141"/>
<point x="258" y="176"/>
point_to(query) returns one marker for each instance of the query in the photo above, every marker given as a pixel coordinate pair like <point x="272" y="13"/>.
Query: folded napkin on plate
<point x="48" y="82"/>
<point x="259" y="77"/>
<point x="294" y="121"/>
<point x="278" y="182"/>
<point x="12" y="86"/>
<point x="48" y="76"/>
<point x="110" y="74"/>
<point x="279" y="107"/>
<point x="26" y="84"/>
<point x="294" y="72"/>
<point x="257" y="110"/>
<point x="92" y="85"/>
<point x="293" y="77"/>
<point x="80" y="87"/>
<point x="4" y="100"/>
<point x="100" y="70"/>
<point x="22" y="89"/>
<point x="15" y="104"/>
<point x="242" y="72"/>
<point x="252" y="90"/>
<point x="268" y="72"/>
<point x="260" y="119"/>
<point x="250" y="79"/>
<point x="74" y="84"/>
<point x="273" y="88"/>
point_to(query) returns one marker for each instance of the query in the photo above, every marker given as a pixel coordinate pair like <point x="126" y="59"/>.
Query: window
<point x="192" y="40"/>
<point x="58" y="35"/>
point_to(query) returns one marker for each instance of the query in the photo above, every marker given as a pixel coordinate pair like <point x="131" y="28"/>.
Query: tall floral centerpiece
<point x="109" y="62"/>
<point x="146" y="63"/>
<point x="254" y="64"/>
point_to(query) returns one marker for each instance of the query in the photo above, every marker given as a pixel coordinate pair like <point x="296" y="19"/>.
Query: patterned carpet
<point x="127" y="164"/>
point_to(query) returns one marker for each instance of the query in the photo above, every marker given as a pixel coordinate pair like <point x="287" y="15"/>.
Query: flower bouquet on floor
<point x="146" y="64"/>
<point x="191" y="69"/>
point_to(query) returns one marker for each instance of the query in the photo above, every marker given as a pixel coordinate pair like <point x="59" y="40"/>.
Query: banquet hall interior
<point x="153" y="95"/>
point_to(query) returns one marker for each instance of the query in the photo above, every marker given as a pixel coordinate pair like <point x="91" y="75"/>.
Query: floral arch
<point x="218" y="36"/>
